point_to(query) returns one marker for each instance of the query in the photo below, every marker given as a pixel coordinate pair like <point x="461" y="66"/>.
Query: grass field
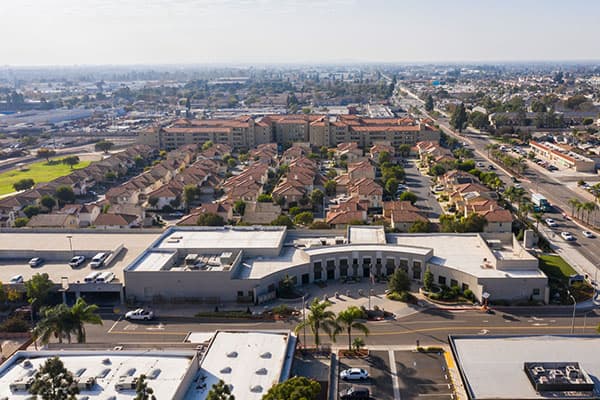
<point x="40" y="172"/>
<point x="556" y="267"/>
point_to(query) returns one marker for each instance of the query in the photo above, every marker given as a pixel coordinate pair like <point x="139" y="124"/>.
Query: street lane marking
<point x="115" y="324"/>
<point x="394" y="371"/>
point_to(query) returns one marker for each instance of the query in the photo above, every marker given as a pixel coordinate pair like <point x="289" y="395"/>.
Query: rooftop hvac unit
<point x="126" y="383"/>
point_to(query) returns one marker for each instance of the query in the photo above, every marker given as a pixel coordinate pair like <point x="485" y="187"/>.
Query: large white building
<point x="246" y="264"/>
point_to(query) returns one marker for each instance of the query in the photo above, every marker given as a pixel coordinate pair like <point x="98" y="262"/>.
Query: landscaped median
<point x="559" y="274"/>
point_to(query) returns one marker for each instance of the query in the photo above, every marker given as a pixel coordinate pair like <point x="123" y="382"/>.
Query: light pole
<point x="304" y="320"/>
<point x="574" y="309"/>
<point x="70" y="237"/>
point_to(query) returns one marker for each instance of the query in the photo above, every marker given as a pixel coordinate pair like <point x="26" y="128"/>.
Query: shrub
<point x="468" y="293"/>
<point x="14" y="324"/>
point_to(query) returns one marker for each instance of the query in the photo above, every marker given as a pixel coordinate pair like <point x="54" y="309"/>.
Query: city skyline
<point x="90" y="32"/>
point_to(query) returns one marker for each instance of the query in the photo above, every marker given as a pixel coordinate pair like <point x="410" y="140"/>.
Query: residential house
<point x="348" y="151"/>
<point x="68" y="221"/>
<point x="341" y="215"/>
<point x="379" y="148"/>
<point x="223" y="210"/>
<point x="261" y="213"/>
<point x="361" y="169"/>
<point x="85" y="213"/>
<point x="366" y="189"/>
<point x="117" y="221"/>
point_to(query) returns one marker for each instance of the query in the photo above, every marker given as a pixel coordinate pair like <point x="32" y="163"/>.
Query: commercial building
<point x="563" y="156"/>
<point x="518" y="367"/>
<point x="246" y="264"/>
<point x="250" y="362"/>
<point x="247" y="132"/>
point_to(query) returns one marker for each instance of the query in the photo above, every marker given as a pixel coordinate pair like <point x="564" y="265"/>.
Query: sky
<point x="125" y="32"/>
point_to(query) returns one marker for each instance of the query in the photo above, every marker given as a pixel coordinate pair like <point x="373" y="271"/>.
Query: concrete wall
<point x="516" y="289"/>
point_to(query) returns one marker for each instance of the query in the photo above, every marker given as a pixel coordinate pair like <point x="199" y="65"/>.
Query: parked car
<point x="36" y="261"/>
<point x="354" y="374"/>
<point x="16" y="279"/>
<point x="76" y="261"/>
<point x="98" y="260"/>
<point x="139" y="314"/>
<point x="355" y="393"/>
<point x="588" y="234"/>
<point x="550" y="222"/>
<point x="518" y="186"/>
<point x="567" y="236"/>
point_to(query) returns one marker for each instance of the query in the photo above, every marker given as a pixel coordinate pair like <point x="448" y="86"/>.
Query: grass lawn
<point x="556" y="267"/>
<point x="40" y="172"/>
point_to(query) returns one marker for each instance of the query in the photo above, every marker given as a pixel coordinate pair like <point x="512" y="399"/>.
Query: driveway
<point x="421" y="186"/>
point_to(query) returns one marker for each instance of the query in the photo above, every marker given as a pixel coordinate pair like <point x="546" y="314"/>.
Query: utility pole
<point x="304" y="320"/>
<point x="574" y="309"/>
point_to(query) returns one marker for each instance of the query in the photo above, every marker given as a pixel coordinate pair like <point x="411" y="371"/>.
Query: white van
<point x="98" y="260"/>
<point x="91" y="278"/>
<point x="105" y="277"/>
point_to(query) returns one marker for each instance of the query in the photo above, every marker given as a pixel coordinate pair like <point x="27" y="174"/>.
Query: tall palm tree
<point x="319" y="318"/>
<point x="574" y="203"/>
<point x="537" y="216"/>
<point x="83" y="313"/>
<point x="589" y="207"/>
<point x="348" y="319"/>
<point x="55" y="322"/>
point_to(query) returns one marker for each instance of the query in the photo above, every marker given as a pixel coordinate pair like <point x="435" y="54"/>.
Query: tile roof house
<point x="85" y="213"/>
<point x="223" y="210"/>
<point x="261" y="213"/>
<point x="343" y="214"/>
<point x="68" y="221"/>
<point x="348" y="151"/>
<point x="361" y="169"/>
<point x="366" y="189"/>
<point x="117" y="221"/>
<point x="379" y="148"/>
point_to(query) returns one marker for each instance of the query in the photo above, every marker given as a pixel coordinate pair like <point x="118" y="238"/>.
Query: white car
<point x="567" y="236"/>
<point x="354" y="374"/>
<point x="16" y="279"/>
<point x="518" y="186"/>
<point x="36" y="261"/>
<point x="77" y="261"/>
<point x="588" y="234"/>
<point x="550" y="222"/>
<point x="139" y="314"/>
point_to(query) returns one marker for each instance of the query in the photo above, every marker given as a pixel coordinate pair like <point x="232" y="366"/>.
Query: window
<point x="378" y="261"/>
<point x="417" y="264"/>
<point x="453" y="282"/>
<point x="250" y="293"/>
<point x="465" y="287"/>
<point x="240" y="293"/>
<point x="317" y="265"/>
<point x="404" y="264"/>
<point x="417" y="273"/>
<point x="536" y="292"/>
<point x="442" y="280"/>
<point x="367" y="260"/>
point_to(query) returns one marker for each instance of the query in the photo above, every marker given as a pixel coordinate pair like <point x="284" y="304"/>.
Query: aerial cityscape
<point x="299" y="200"/>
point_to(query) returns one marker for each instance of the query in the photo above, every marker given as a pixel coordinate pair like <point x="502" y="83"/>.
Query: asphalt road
<point x="421" y="186"/>
<point x="430" y="327"/>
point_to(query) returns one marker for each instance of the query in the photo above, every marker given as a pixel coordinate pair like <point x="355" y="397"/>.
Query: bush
<point x="14" y="324"/>
<point x="405" y="297"/>
<point x="468" y="293"/>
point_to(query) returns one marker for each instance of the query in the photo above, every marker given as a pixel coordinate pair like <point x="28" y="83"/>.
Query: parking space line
<point x="394" y="371"/>
<point x="114" y="325"/>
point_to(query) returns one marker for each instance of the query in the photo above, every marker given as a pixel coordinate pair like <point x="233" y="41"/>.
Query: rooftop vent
<point x="226" y="370"/>
<point x="106" y="361"/>
<point x="265" y="355"/>
<point x="27" y="364"/>
<point x="79" y="372"/>
<point x="261" y="371"/>
<point x="232" y="354"/>
<point x="154" y="373"/>
<point x="102" y="374"/>
<point x="256" y="389"/>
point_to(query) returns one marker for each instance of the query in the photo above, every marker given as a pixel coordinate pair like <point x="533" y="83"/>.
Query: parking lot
<point x="377" y="365"/>
<point x="422" y="376"/>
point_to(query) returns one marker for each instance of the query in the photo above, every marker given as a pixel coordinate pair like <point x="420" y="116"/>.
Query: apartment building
<point x="247" y="132"/>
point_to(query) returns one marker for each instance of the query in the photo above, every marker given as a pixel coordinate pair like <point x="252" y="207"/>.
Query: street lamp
<point x="574" y="309"/>
<point x="70" y="243"/>
<point x="304" y="319"/>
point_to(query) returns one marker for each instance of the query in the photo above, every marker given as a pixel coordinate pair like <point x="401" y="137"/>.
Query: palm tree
<point x="537" y="216"/>
<point x="83" y="313"/>
<point x="348" y="319"/>
<point x="319" y="318"/>
<point x="55" y="322"/>
<point x="574" y="203"/>
<point x="589" y="207"/>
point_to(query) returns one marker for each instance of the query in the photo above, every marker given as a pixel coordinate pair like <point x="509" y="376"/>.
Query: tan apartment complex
<point x="319" y="130"/>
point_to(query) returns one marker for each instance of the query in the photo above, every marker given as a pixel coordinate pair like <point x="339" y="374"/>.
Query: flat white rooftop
<point x="493" y="366"/>
<point x="259" y="267"/>
<point x="251" y="362"/>
<point x="152" y="261"/>
<point x="464" y="252"/>
<point x="107" y="367"/>
<point x="223" y="238"/>
<point x="366" y="235"/>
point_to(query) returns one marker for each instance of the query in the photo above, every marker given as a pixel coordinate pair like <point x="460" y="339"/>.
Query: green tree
<point x="38" y="290"/>
<point x="210" y="219"/>
<point x="104" y="145"/>
<point x="71" y="161"/>
<point x="54" y="322"/>
<point x="459" y="118"/>
<point x="283" y="220"/>
<point x="239" y="207"/>
<point x="80" y="314"/>
<point x="437" y="170"/>
<point x="54" y="382"/>
<point x="358" y="343"/>
<point x="316" y="197"/>
<point x="296" y="388"/>
<point x="31" y="210"/>
<point x="319" y="319"/>
<point x="419" y="227"/>
<point x="23" y="184"/>
<point x="330" y="187"/>
<point x="142" y="391"/>
<point x="404" y="150"/>
<point x="429" y="103"/>
<point x="304" y="218"/>
<point x="190" y="192"/>
<point x="264" y="198"/>
<point x="391" y="186"/>
<point x="428" y="279"/>
<point x="479" y="120"/>
<point x="220" y="391"/>
<point x="399" y="282"/>
<point x="384" y="157"/>
<point x="408" y="196"/>
<point x="46" y="153"/>
<point x="295" y="211"/>
<point x="139" y="161"/>
<point x="65" y="195"/>
<point x="48" y="202"/>
<point x="207" y="145"/>
<point x="348" y="320"/>
<point x="21" y="222"/>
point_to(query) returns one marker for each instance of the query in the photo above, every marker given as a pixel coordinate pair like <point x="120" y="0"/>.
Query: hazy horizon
<point x="295" y="32"/>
